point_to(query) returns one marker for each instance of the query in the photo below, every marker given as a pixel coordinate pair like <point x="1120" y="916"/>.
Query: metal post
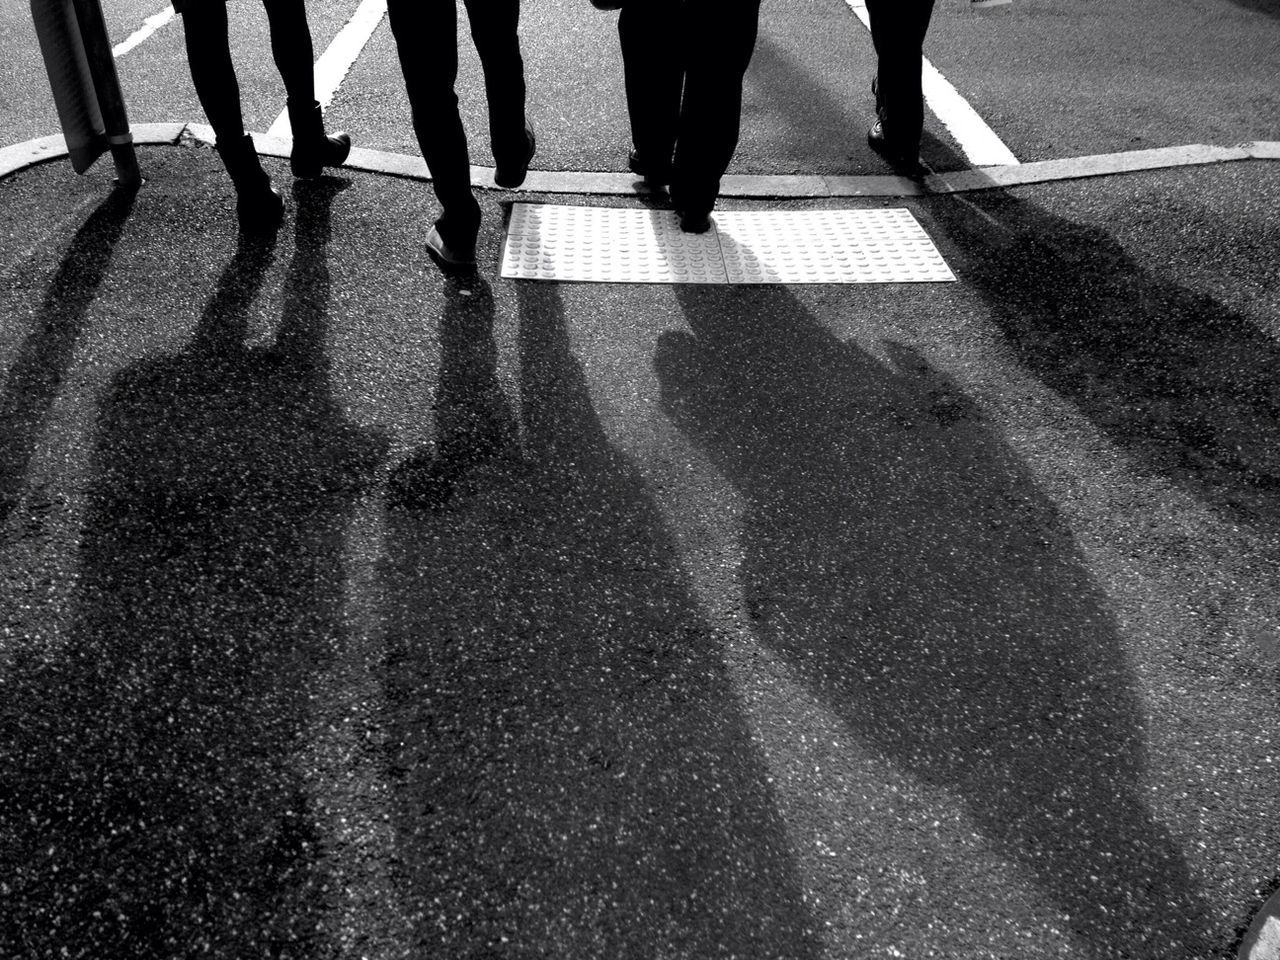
<point x="102" y="66"/>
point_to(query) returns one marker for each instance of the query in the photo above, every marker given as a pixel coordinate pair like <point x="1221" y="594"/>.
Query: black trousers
<point x="426" y="34"/>
<point x="898" y="28"/>
<point x="684" y="63"/>
<point x="205" y="29"/>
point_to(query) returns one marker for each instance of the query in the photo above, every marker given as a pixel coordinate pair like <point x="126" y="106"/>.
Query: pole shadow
<point x="158" y="803"/>
<point x="45" y="354"/>
<point x="910" y="571"/>
<point x="573" y="774"/>
<point x="1190" y="388"/>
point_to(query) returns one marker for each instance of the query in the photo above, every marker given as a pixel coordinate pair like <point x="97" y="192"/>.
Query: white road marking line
<point x="149" y="26"/>
<point x="979" y="142"/>
<point x="332" y="67"/>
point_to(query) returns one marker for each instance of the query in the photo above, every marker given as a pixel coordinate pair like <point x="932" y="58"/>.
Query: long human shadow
<point x="156" y="796"/>
<point x="573" y="777"/>
<point x="45" y="354"/>
<point x="1189" y="387"/>
<point x="907" y="567"/>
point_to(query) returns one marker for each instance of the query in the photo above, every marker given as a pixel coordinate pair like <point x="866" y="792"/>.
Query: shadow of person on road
<point x="45" y="354"/>
<point x="1188" y="386"/>
<point x="573" y="774"/>
<point x="912" y="574"/>
<point x="157" y="800"/>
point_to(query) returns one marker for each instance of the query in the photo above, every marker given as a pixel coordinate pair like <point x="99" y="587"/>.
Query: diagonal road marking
<point x="979" y="142"/>
<point x="332" y="67"/>
<point x="149" y="26"/>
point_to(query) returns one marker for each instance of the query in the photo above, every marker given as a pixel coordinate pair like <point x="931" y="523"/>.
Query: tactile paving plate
<point x="828" y="246"/>
<point x="607" y="245"/>
<point x="620" y="245"/>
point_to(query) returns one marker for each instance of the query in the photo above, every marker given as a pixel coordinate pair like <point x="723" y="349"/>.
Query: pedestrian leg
<point x="653" y="72"/>
<point x="259" y="205"/>
<point x="293" y="53"/>
<point x="898" y="29"/>
<point x="495" y="32"/>
<point x="720" y="38"/>
<point x="212" y="73"/>
<point x="426" y="41"/>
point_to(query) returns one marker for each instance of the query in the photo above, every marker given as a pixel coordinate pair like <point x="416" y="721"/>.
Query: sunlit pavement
<point x="354" y="610"/>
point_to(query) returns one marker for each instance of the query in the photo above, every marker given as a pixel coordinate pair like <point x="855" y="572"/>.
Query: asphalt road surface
<point x="348" y="610"/>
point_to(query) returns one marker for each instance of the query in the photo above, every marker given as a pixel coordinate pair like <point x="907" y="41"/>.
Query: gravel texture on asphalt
<point x="349" y="610"/>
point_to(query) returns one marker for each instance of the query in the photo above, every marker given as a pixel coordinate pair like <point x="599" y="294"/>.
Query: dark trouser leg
<point x="204" y="25"/>
<point x="291" y="48"/>
<point x="654" y="76"/>
<point x="721" y="35"/>
<point x="898" y="29"/>
<point x="212" y="73"/>
<point x="293" y="53"/>
<point x="427" y="42"/>
<point x="494" y="30"/>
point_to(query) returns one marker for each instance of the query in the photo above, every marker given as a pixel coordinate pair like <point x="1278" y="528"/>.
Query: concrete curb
<point x="1262" y="939"/>
<point x="783" y="187"/>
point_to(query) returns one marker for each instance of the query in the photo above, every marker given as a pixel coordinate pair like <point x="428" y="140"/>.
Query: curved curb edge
<point x="1262" y="939"/>
<point x="18" y="157"/>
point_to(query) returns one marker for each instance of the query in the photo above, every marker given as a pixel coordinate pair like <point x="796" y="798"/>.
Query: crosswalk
<point x="576" y="243"/>
<point x="980" y="144"/>
<point x="332" y="67"/>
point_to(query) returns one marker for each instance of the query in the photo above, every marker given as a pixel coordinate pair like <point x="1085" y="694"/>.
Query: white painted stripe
<point x="332" y="67"/>
<point x="978" y="141"/>
<point x="149" y="26"/>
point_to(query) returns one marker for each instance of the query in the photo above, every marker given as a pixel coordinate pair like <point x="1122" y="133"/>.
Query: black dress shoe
<point x="511" y="175"/>
<point x="694" y="221"/>
<point x="450" y="257"/>
<point x="903" y="156"/>
<point x="655" y="175"/>
<point x="313" y="149"/>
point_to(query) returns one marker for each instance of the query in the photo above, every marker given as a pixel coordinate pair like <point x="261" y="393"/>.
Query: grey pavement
<point x="351" y="610"/>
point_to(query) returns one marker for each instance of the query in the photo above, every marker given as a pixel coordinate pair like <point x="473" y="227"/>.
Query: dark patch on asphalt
<point x="154" y="803"/>
<point x="45" y="355"/>
<point x="573" y="774"/>
<point x="974" y="653"/>
<point x="1189" y="386"/>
